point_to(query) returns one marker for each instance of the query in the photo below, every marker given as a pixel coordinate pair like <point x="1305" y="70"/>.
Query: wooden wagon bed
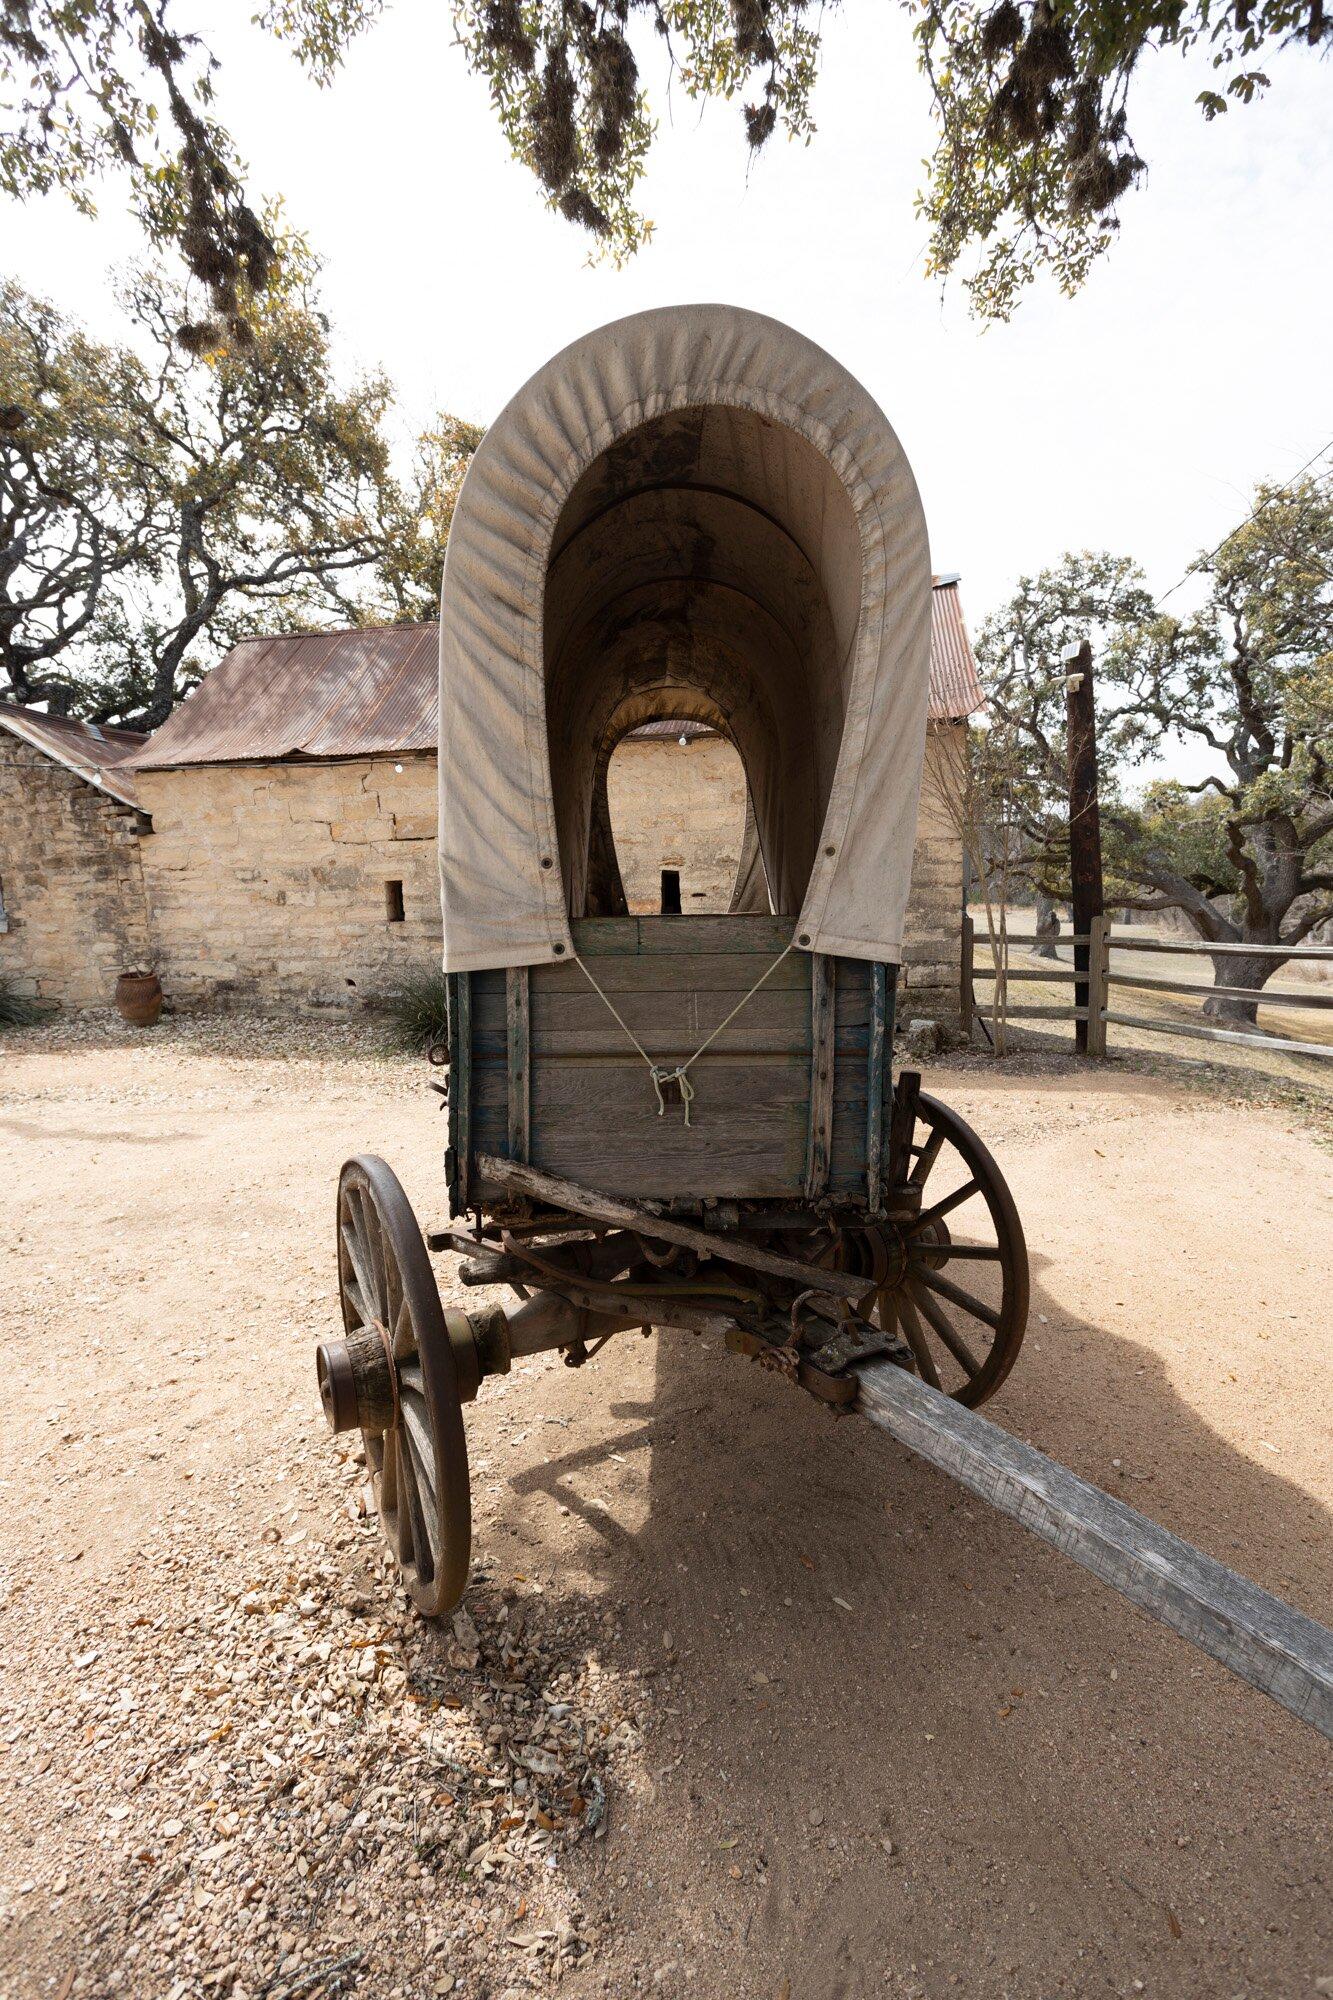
<point x="790" y="1097"/>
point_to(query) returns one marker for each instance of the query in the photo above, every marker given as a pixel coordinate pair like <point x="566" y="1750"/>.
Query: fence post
<point x="1085" y="830"/>
<point x="965" y="1000"/>
<point x="1099" y="964"/>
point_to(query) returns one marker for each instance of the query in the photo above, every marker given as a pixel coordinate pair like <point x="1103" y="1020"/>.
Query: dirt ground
<point x="747" y="1701"/>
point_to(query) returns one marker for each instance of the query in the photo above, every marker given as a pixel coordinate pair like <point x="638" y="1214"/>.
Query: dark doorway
<point x="671" y="892"/>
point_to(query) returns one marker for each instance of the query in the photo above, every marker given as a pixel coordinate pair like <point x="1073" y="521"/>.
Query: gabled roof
<point x="955" y="691"/>
<point x="361" y="693"/>
<point x="373" y="692"/>
<point x="94" y="752"/>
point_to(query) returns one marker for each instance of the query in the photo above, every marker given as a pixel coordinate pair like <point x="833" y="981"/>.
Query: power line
<point x="1253" y="515"/>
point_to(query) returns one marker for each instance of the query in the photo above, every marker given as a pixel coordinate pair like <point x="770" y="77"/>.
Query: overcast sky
<point x="1135" y="418"/>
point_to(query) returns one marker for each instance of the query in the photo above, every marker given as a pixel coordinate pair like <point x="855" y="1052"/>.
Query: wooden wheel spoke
<point x="417" y="1428"/>
<point x="403" y="1339"/>
<point x="916" y="1340"/>
<point x="928" y="1154"/>
<point x="981" y="1253"/>
<point x="956" y="1296"/>
<point x="353" y="1294"/>
<point x="380" y="1262"/>
<point x="365" y="1302"/>
<point x="948" y="1333"/>
<point x="411" y="1377"/>
<point x="946" y="1206"/>
<point x="414" y="1513"/>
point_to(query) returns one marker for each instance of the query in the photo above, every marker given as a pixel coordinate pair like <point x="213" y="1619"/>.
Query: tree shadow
<point x="949" y="1760"/>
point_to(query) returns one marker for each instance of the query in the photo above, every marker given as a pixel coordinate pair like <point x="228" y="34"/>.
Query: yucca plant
<point x="418" y="1011"/>
<point x="16" y="1010"/>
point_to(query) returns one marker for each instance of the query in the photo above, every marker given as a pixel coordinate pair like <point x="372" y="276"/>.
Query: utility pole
<point x="1085" y="825"/>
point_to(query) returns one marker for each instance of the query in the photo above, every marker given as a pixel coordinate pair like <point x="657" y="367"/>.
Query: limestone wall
<point x="71" y="886"/>
<point x="677" y="805"/>
<point x="268" y="884"/>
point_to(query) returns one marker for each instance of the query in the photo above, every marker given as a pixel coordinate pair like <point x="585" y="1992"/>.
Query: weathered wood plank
<point x="588" y="1042"/>
<point x="1257" y="1636"/>
<point x="1053" y="975"/>
<point x="1265" y="995"/>
<point x="1317" y="952"/>
<point x="1052" y="1013"/>
<point x="516" y="1006"/>
<point x="659" y="972"/>
<point x="783" y="1075"/>
<point x="902" y="1124"/>
<point x="1250" y="1041"/>
<point x="460" y="1085"/>
<point x="607" y="937"/>
<point x="621" y="1215"/>
<point x="875" y="1085"/>
<point x="695" y="1009"/>
<point x="822" y="1068"/>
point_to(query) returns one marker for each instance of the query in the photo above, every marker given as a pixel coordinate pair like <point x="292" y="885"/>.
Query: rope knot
<point x="664" y="1076"/>
<point x="658" y="1071"/>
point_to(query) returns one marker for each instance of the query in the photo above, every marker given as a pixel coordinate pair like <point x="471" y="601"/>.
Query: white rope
<point x="659" y="1073"/>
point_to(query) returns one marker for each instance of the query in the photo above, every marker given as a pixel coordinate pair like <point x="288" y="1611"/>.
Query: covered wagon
<point x="693" y="1123"/>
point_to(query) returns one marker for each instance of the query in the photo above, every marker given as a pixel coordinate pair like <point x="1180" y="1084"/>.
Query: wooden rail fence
<point x="1091" y="999"/>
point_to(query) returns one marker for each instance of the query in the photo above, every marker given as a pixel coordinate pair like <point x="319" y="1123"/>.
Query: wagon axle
<point x="358" y="1379"/>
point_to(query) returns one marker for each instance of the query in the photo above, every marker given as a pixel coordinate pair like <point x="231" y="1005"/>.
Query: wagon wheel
<point x="412" y="1422"/>
<point x="961" y="1294"/>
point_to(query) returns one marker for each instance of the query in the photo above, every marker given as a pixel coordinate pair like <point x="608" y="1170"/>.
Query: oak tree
<point x="1246" y="852"/>
<point x="1035" y="149"/>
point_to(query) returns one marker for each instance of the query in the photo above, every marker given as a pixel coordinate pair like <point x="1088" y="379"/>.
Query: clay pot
<point x="139" y="998"/>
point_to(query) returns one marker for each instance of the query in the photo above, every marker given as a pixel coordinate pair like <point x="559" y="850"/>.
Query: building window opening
<point x="393" y="902"/>
<point x="671" y="892"/>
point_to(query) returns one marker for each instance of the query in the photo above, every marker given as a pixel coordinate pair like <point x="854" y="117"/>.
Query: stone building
<point x="292" y="800"/>
<point x="72" y="909"/>
<point x="273" y="844"/>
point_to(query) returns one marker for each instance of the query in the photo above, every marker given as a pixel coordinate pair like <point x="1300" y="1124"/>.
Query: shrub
<point x="16" y="1011"/>
<point x="418" y="1010"/>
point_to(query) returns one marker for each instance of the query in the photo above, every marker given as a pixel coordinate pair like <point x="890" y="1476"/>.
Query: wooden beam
<point x="966" y="975"/>
<point x="1085" y="827"/>
<point x="1200" y="948"/>
<point x="1275" y="1648"/>
<point x="1264" y="995"/>
<point x="819" y="1143"/>
<point x="902" y="1125"/>
<point x="1051" y="976"/>
<point x="1054" y="1012"/>
<point x="519" y="1179"/>
<point x="879" y="990"/>
<point x="1098" y="961"/>
<point x="1257" y="1040"/>
<point x="517" y="1041"/>
<point x="460" y="1082"/>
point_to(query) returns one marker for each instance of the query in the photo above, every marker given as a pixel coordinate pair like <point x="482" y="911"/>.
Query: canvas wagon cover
<point x="692" y="502"/>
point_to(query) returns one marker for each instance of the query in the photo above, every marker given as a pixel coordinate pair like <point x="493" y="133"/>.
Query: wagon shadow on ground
<point x="857" y="1652"/>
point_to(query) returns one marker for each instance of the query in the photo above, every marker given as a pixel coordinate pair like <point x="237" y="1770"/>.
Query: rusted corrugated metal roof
<point x="373" y="692"/>
<point x="313" y="694"/>
<point x="691" y="731"/>
<point x="955" y="692"/>
<point x="93" y="752"/>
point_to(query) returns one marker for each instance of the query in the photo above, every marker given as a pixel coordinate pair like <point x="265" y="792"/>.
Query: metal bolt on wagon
<point x="692" y="1123"/>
